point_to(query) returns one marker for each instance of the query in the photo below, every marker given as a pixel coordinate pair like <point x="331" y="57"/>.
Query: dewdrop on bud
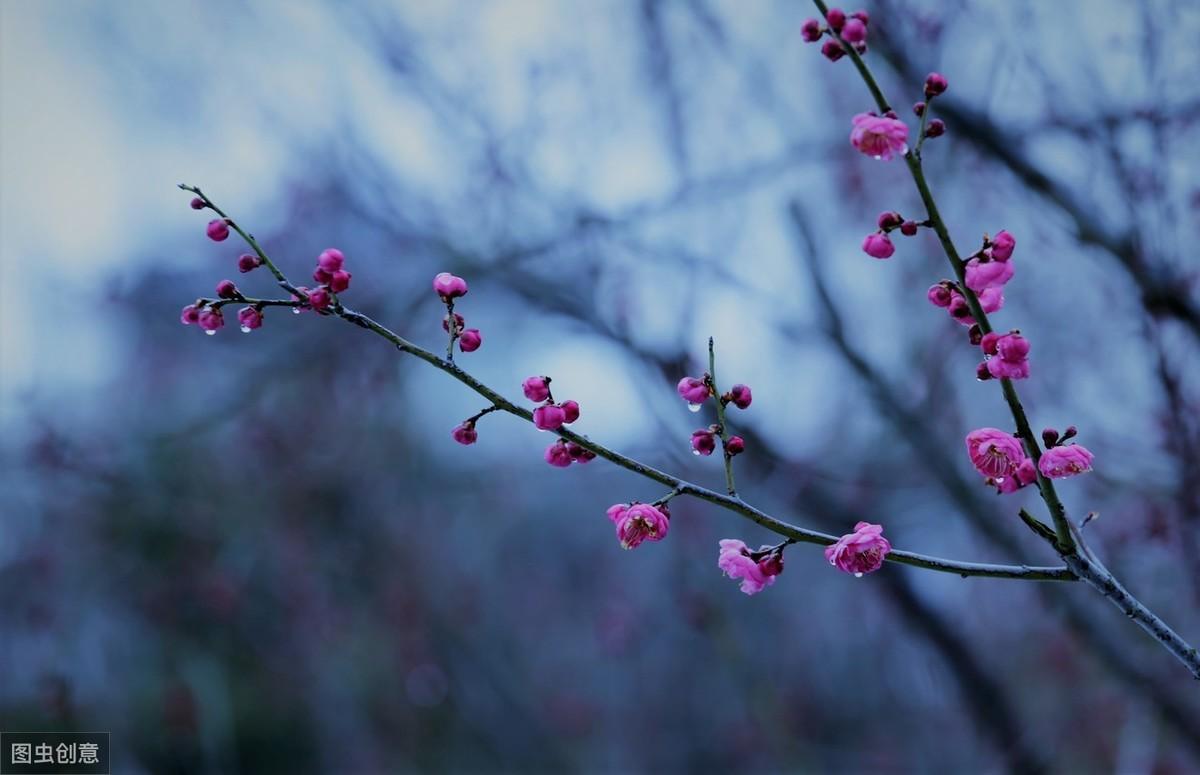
<point x="249" y="319"/>
<point x="210" y="320"/>
<point x="693" y="390"/>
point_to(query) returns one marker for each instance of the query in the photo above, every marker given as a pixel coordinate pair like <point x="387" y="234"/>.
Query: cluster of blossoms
<point x="879" y="244"/>
<point x="697" y="390"/>
<point x="1001" y="459"/>
<point x="757" y="570"/>
<point x="842" y="30"/>
<point x="986" y="273"/>
<point x="331" y="277"/>
<point x="1006" y="356"/>
<point x="448" y="288"/>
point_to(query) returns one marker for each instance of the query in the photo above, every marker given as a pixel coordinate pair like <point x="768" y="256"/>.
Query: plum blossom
<point x="1001" y="247"/>
<point x="465" y="434"/>
<point x="693" y="390"/>
<point x="736" y="561"/>
<point x="549" y="417"/>
<point x="449" y="286"/>
<point x="469" y="340"/>
<point x="536" y="388"/>
<point x="878" y="246"/>
<point x="1024" y="476"/>
<point x="879" y="136"/>
<point x="217" y="230"/>
<point x="988" y="274"/>
<point x="1061" y="462"/>
<point x="862" y="551"/>
<point x="249" y="319"/>
<point x="638" y="522"/>
<point x="994" y="453"/>
<point x="558" y="455"/>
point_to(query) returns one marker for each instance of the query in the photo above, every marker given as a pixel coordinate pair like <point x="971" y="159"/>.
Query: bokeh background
<point x="264" y="553"/>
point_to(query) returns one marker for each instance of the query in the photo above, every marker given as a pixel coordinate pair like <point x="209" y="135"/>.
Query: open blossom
<point x="693" y="390"/>
<point x="862" y="551"/>
<point x="536" y="388"/>
<point x="879" y="136"/>
<point x="1002" y="246"/>
<point x="994" y="453"/>
<point x="449" y="286"/>
<point x="756" y="575"/>
<point x="1024" y="476"/>
<point x="878" y="246"/>
<point x="988" y="274"/>
<point x="639" y="522"/>
<point x="1061" y="462"/>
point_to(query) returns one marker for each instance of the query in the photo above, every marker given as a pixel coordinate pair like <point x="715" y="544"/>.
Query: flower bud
<point x="832" y="50"/>
<point x="918" y="109"/>
<point x="248" y="263"/>
<point x="339" y="281"/>
<point x="810" y="31"/>
<point x="861" y="16"/>
<point x="908" y="228"/>
<point x="558" y="455"/>
<point x="936" y="128"/>
<point x="249" y="319"/>
<point x="693" y="390"/>
<point x="939" y="295"/>
<point x="1070" y="432"/>
<point x="836" y="18"/>
<point x="1049" y="437"/>
<point x="465" y="434"/>
<point x="854" y="31"/>
<point x="982" y="373"/>
<point x="217" y="230"/>
<point x="319" y="299"/>
<point x="210" y="320"/>
<point x="735" y="446"/>
<point x="536" y="389"/>
<point x="772" y="564"/>
<point x="198" y="203"/>
<point x="935" y="84"/>
<point x="975" y="334"/>
<point x="469" y="340"/>
<point x="703" y="442"/>
<point x="889" y="220"/>
<point x="1002" y="246"/>
<point x="988" y="342"/>
<point x="740" y="396"/>
<point x="331" y="259"/>
<point x="878" y="246"/>
<point x="570" y="411"/>
<point x="321" y="276"/>
<point x="449" y="286"/>
<point x="549" y="417"/>
<point x="189" y="315"/>
<point x="227" y="290"/>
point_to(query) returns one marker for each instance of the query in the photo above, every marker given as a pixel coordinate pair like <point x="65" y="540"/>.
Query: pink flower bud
<point x="640" y="522"/>
<point x="570" y="411"/>
<point x="832" y="50"/>
<point x="459" y="322"/>
<point x="248" y="263"/>
<point x="935" y="84"/>
<point x="465" y="434"/>
<point x="740" y="396"/>
<point x="1002" y="369"/>
<point x="449" y="286"/>
<point x="210" y="320"/>
<point x="198" y="203"/>
<point x="537" y="389"/>
<point x="469" y="340"/>
<point x="1012" y="347"/>
<point x="250" y="319"/>
<point x="889" y="220"/>
<point x="878" y="246"/>
<point x="988" y="274"/>
<point x="854" y="31"/>
<point x="1002" y="246"/>
<point x="994" y="453"/>
<point x="939" y="295"/>
<point x="862" y="551"/>
<point x="189" y="315"/>
<point x="331" y="260"/>
<point x="693" y="390"/>
<point x="836" y="18"/>
<point x="321" y="276"/>
<point x="880" y="137"/>
<point x="227" y="290"/>
<point x="218" y="230"/>
<point x="908" y="228"/>
<point x="982" y="373"/>
<point x="735" y="561"/>
<point x="936" y="128"/>
<point x="918" y="109"/>
<point x="549" y="417"/>
<point x="1049" y="437"/>
<point x="703" y="442"/>
<point x="988" y="342"/>
<point x="1061" y="462"/>
<point x="991" y="299"/>
<point x="810" y="31"/>
<point x="975" y="335"/>
<point x="1024" y="476"/>
<point x="319" y="299"/>
<point x="579" y="454"/>
<point x="339" y="281"/>
<point x="558" y="455"/>
<point x="861" y="16"/>
<point x="735" y="446"/>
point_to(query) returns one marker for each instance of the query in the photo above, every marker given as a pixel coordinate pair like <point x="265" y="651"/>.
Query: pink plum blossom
<point x="469" y="340"/>
<point x="832" y="50"/>
<point x="189" y="315"/>
<point x="227" y="290"/>
<point x="339" y="281"/>
<point x="640" y="522"/>
<point x="449" y="286"/>
<point x="740" y="396"/>
<point x="570" y="411"/>
<point x="250" y="318"/>
<point x="1061" y="462"/>
<point x="862" y="551"/>
<point x="735" y="446"/>
<point x="988" y="274"/>
<point x="879" y="136"/>
<point x="217" y="230"/>
<point x="1002" y="246"/>
<point x="1024" y="476"/>
<point x="810" y="30"/>
<point x="994" y="453"/>
<point x="935" y="84"/>
<point x="939" y="295"/>
<point x="465" y="434"/>
<point x="331" y="260"/>
<point x="558" y="455"/>
<point x="693" y="390"/>
<point x="735" y="561"/>
<point x="854" y="31"/>
<point x="536" y="389"/>
<point x="704" y="442"/>
<point x="878" y="246"/>
<point x="248" y="263"/>
<point x="549" y="417"/>
<point x="210" y="320"/>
